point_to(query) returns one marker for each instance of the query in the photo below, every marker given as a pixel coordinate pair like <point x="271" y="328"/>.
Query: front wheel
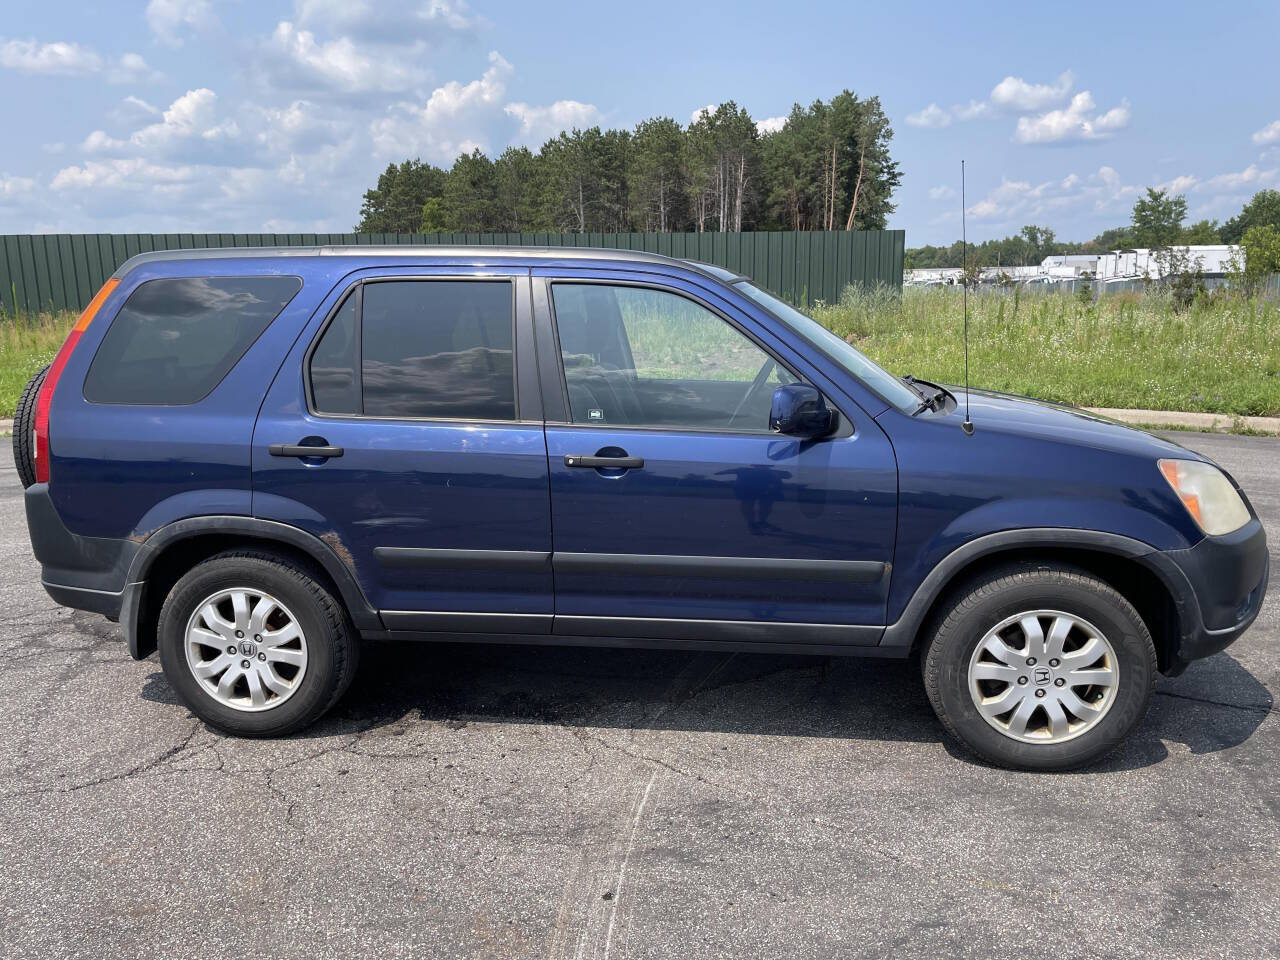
<point x="1039" y="667"/>
<point x="255" y="645"/>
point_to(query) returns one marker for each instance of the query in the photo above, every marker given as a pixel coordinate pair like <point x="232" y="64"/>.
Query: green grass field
<point x="26" y="345"/>
<point x="1127" y="350"/>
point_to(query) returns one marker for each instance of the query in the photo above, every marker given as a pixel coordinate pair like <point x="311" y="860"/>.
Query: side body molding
<point x="902" y="634"/>
<point x="362" y="613"/>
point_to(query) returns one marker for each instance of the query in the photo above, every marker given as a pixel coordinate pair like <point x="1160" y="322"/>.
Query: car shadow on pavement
<point x="1216" y="705"/>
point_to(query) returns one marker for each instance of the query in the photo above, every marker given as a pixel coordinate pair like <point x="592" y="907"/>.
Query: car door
<point x="676" y="512"/>
<point x="432" y="482"/>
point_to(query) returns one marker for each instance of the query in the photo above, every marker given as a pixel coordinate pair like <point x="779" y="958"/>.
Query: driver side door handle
<point x="616" y="463"/>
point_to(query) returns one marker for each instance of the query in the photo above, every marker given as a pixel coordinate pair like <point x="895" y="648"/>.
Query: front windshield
<point x="867" y="371"/>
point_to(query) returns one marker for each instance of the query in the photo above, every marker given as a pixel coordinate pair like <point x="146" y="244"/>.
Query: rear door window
<point x="174" y="340"/>
<point x="425" y="349"/>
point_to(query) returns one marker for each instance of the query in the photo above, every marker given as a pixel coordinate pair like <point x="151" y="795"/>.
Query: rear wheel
<point x="23" y="424"/>
<point x="256" y="645"/>
<point x="1039" y="667"/>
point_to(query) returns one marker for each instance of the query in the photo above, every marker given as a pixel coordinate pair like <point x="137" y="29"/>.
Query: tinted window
<point x="334" y="387"/>
<point x="174" y="340"/>
<point x="438" y="348"/>
<point x="634" y="355"/>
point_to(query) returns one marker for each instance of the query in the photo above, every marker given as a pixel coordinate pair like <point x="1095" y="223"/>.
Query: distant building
<point x="1214" y="261"/>
<point x="1140" y="263"/>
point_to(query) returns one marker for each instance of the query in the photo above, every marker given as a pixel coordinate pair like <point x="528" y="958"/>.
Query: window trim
<point x="244" y="353"/>
<point x="356" y="288"/>
<point x="843" y="430"/>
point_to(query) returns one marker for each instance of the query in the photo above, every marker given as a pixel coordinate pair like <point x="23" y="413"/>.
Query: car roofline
<point x="478" y="253"/>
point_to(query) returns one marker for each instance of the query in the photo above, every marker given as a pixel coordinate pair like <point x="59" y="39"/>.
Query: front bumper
<point x="1218" y="587"/>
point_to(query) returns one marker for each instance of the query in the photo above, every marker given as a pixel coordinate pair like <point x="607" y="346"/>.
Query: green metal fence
<point x="42" y="272"/>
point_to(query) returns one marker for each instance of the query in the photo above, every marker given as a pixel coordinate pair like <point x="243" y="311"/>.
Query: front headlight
<point x="1208" y="495"/>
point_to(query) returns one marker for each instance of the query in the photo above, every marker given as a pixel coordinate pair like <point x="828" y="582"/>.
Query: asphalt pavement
<point x="519" y="802"/>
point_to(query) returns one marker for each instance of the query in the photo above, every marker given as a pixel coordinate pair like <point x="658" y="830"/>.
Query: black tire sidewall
<point x="956" y="640"/>
<point x="23" y="424"/>
<point x="297" y="592"/>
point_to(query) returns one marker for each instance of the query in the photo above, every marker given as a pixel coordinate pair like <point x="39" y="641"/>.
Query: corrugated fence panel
<point x="50" y="272"/>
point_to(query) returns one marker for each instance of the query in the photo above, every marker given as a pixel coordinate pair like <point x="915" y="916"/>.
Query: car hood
<point x="1040" y="418"/>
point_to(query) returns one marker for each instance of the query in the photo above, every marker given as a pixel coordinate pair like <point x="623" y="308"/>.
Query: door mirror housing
<point x="799" y="410"/>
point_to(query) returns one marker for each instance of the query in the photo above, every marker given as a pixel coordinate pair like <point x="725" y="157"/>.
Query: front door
<point x="676" y="513"/>
<point x="434" y="486"/>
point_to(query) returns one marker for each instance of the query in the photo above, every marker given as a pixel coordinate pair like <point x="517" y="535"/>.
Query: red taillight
<point x="43" y="401"/>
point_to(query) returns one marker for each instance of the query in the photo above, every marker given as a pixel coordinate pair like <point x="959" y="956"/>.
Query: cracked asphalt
<point x="521" y="802"/>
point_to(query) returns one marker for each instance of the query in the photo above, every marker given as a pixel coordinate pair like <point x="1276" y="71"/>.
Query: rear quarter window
<point x="174" y="340"/>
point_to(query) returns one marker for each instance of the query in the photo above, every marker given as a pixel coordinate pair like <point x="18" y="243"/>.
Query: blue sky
<point x="202" y="115"/>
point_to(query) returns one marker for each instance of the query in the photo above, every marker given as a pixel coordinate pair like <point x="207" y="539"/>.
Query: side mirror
<point x="800" y="411"/>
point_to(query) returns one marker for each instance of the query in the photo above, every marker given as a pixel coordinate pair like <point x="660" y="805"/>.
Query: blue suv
<point x="256" y="459"/>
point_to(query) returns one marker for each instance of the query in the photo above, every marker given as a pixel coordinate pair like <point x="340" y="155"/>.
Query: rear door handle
<point x="614" y="463"/>
<point x="302" y="450"/>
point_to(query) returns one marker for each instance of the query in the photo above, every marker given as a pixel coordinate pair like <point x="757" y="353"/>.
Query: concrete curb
<point x="1208" y="422"/>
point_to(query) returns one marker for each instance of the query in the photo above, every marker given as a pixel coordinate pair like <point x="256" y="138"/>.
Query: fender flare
<point x="902" y="634"/>
<point x="362" y="612"/>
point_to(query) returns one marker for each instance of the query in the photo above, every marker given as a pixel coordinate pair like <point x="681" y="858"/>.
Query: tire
<point x="23" y="421"/>
<point x="954" y="667"/>
<point x="328" y="642"/>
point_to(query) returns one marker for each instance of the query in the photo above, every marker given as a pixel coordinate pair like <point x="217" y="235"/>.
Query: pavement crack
<point x="1248" y="707"/>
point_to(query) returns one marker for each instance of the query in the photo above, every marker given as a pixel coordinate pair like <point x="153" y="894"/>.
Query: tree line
<point x="1157" y="222"/>
<point x="827" y="168"/>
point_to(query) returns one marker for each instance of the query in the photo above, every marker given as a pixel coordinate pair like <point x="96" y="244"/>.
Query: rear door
<point x="431" y="481"/>
<point x="677" y="513"/>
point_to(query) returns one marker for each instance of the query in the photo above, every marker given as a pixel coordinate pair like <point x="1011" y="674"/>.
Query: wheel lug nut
<point x="1022" y="680"/>
<point x="231" y="649"/>
<point x="1053" y="662"/>
<point x="240" y="634"/>
<point x="1039" y="693"/>
<point x="257" y="638"/>
<point x="263" y="656"/>
<point x="244" y="664"/>
<point x="1031" y="661"/>
<point x="1059" y="682"/>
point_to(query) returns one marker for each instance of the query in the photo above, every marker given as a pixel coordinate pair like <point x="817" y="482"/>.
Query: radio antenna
<point x="967" y="426"/>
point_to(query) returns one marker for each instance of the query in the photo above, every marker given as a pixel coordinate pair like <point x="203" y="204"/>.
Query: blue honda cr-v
<point x="256" y="459"/>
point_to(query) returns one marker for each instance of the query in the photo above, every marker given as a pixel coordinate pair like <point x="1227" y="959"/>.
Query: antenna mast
<point x="967" y="426"/>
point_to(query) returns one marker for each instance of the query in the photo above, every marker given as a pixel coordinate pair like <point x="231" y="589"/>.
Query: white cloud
<point x="169" y="19"/>
<point x="941" y="192"/>
<point x="935" y="117"/>
<point x="538" y="124"/>
<point x="456" y="118"/>
<point x="1268" y="134"/>
<point x="932" y="117"/>
<point x="190" y="129"/>
<point x="1250" y="178"/>
<point x="770" y="125"/>
<point x="1015" y="202"/>
<point x="299" y="60"/>
<point x="61" y="59"/>
<point x="1015" y="94"/>
<point x="136" y="172"/>
<point x="12" y="186"/>
<point x="390" y="21"/>
<point x="1179" y="184"/>
<point x="132" y="68"/>
<point x="706" y="111"/>
<point x="1077" y="121"/>
<point x="49" y="59"/>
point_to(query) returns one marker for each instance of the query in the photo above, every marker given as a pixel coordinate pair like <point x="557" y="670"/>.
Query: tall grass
<point x="1221" y="355"/>
<point x="27" y="343"/>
